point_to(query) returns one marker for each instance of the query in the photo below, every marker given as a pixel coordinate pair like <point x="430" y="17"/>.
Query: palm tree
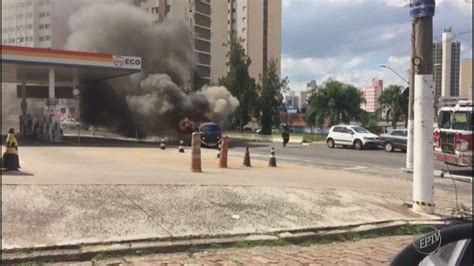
<point x="337" y="101"/>
<point x="391" y="100"/>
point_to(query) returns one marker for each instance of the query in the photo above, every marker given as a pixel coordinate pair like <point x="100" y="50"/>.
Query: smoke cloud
<point x="151" y="101"/>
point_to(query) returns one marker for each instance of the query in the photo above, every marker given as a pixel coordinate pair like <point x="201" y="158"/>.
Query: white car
<point x="353" y="136"/>
<point x="70" y="123"/>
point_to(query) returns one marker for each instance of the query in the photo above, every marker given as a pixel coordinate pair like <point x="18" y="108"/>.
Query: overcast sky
<point x="348" y="39"/>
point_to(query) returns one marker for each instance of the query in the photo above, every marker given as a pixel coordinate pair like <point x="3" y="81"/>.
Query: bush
<point x="308" y="138"/>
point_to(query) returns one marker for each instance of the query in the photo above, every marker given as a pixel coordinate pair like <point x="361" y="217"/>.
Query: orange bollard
<point x="223" y="154"/>
<point x="196" y="152"/>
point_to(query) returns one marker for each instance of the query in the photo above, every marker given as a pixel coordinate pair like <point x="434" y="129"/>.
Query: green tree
<point x="196" y="81"/>
<point x="239" y="82"/>
<point x="340" y="102"/>
<point x="370" y="121"/>
<point x="270" y="91"/>
<point x="391" y="101"/>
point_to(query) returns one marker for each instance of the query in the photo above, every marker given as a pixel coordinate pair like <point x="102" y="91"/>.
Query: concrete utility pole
<point x="423" y="192"/>
<point x="411" y="89"/>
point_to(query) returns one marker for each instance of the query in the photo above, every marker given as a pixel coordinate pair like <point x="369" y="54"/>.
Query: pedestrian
<point x="285" y="134"/>
<point x="10" y="159"/>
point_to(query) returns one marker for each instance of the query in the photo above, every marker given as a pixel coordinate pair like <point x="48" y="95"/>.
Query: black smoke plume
<point x="155" y="99"/>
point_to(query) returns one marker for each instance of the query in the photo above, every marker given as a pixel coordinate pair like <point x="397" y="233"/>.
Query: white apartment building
<point x="257" y="22"/>
<point x="26" y="23"/>
<point x="197" y="13"/>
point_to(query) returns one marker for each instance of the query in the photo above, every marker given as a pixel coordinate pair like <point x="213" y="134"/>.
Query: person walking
<point x="10" y="159"/>
<point x="285" y="134"/>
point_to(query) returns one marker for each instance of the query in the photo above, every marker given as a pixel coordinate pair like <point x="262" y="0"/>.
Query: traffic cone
<point x="272" y="162"/>
<point x="180" y="148"/>
<point x="247" y="158"/>
<point x="163" y="144"/>
<point x="219" y="150"/>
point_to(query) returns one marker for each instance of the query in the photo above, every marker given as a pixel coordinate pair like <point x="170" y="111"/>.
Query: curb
<point x="443" y="174"/>
<point x="87" y="252"/>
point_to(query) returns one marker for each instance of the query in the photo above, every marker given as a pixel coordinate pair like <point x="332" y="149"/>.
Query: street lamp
<point x="395" y="72"/>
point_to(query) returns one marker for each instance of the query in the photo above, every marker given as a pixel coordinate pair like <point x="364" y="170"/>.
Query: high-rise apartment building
<point x="256" y="22"/>
<point x="371" y="95"/>
<point x="446" y="63"/>
<point x="197" y="14"/>
<point x="465" y="80"/>
<point x="26" y="23"/>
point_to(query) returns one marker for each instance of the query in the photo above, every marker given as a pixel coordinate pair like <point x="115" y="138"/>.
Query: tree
<point x="391" y="100"/>
<point x="340" y="102"/>
<point x="370" y="121"/>
<point x="271" y="90"/>
<point x="196" y="81"/>
<point x="239" y="82"/>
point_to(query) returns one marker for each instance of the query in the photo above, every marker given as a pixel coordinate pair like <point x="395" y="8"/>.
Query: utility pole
<point x="411" y="89"/>
<point x="423" y="192"/>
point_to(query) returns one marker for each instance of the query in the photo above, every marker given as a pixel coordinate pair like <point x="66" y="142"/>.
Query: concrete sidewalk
<point x="74" y="195"/>
<point x="54" y="215"/>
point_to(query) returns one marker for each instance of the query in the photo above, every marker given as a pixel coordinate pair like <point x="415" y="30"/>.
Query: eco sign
<point x="126" y="61"/>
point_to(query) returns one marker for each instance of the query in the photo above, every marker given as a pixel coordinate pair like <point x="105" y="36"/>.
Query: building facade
<point x="446" y="66"/>
<point x="311" y="87"/>
<point x="371" y="94"/>
<point x="465" y="79"/>
<point x="258" y="24"/>
<point x="292" y="101"/>
<point x="197" y="14"/>
<point x="27" y="23"/>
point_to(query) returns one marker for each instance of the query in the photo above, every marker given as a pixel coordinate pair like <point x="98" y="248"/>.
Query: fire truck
<point x="453" y="138"/>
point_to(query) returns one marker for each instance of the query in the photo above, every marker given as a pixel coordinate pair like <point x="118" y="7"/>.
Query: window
<point x="460" y="121"/>
<point x="444" y="119"/>
<point x="29" y="14"/>
<point x="42" y="15"/>
<point x="21" y="39"/>
<point x="47" y="14"/>
<point x="12" y="40"/>
<point x="47" y="38"/>
<point x="29" y="26"/>
<point x="41" y="26"/>
<point x="46" y="26"/>
<point x="398" y="133"/>
<point x="5" y="41"/>
<point x="29" y="38"/>
<point x="20" y="16"/>
<point x="360" y="130"/>
<point x="41" y="38"/>
<point x="20" y="28"/>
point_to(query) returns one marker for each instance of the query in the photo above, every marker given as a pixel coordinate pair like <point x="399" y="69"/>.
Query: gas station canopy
<point x="33" y="65"/>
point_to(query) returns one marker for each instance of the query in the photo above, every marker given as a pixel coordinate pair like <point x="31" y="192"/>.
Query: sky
<point x="347" y="40"/>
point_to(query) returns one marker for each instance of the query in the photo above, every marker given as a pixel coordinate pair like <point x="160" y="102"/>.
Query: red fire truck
<point x="453" y="138"/>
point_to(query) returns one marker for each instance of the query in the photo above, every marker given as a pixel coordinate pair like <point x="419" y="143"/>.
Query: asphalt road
<point x="320" y="154"/>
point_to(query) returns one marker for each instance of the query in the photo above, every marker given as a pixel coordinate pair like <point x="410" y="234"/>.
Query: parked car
<point x="70" y="123"/>
<point x="210" y="134"/>
<point x="397" y="139"/>
<point x="351" y="136"/>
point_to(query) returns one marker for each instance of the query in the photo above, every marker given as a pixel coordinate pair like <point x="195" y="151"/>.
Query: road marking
<point x="355" y="168"/>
